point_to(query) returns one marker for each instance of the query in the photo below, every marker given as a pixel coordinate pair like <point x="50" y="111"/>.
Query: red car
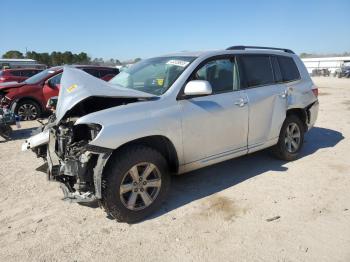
<point x="29" y="98"/>
<point x="17" y="75"/>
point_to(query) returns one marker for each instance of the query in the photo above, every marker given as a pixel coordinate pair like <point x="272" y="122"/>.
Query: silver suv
<point x="119" y="142"/>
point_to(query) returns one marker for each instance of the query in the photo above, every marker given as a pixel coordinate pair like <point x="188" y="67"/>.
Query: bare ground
<point x="218" y="213"/>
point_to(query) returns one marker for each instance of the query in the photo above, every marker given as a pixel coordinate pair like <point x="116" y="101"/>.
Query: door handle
<point x="241" y="102"/>
<point x="284" y="94"/>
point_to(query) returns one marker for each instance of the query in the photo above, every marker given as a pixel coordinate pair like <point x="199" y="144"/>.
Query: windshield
<point x="40" y="76"/>
<point x="154" y="75"/>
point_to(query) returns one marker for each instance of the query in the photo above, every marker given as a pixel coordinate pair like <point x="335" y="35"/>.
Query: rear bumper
<point x="312" y="114"/>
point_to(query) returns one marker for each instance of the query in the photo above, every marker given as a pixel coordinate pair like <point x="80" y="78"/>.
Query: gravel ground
<point x="217" y="213"/>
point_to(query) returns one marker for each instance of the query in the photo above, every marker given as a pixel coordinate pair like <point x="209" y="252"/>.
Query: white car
<point x="119" y="142"/>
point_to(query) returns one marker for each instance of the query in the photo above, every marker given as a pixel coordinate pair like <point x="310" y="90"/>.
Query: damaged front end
<point x="74" y="163"/>
<point x="66" y="145"/>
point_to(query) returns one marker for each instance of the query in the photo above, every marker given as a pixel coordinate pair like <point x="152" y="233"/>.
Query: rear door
<point x="267" y="99"/>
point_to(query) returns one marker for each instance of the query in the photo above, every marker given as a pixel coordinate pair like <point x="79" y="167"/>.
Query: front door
<point x="216" y="125"/>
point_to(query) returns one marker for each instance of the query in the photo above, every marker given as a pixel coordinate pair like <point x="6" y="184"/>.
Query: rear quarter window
<point x="289" y="69"/>
<point x="257" y="70"/>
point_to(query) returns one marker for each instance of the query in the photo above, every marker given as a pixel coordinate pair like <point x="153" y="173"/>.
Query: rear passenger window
<point x="222" y="74"/>
<point x="15" y="73"/>
<point x="288" y="68"/>
<point x="28" y="73"/>
<point x="108" y="72"/>
<point x="257" y="70"/>
<point x="276" y="70"/>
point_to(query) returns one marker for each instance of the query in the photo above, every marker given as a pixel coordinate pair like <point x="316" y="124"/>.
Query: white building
<point x="20" y="63"/>
<point x="330" y="63"/>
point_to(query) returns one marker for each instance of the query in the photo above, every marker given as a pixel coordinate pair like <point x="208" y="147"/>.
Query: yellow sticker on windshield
<point x="160" y="81"/>
<point x="71" y="88"/>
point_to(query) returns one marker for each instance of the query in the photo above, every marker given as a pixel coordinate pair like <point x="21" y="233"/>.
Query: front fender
<point x="127" y="123"/>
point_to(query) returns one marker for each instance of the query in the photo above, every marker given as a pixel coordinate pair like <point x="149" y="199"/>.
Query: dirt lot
<point x="215" y="214"/>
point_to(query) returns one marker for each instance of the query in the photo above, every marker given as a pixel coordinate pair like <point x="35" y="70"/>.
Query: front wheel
<point x="28" y="110"/>
<point x="290" y="140"/>
<point x="135" y="183"/>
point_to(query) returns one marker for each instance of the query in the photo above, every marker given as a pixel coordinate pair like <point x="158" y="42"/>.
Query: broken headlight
<point x="86" y="132"/>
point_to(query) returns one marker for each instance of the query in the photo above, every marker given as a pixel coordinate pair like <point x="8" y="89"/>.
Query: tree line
<point x="60" y="58"/>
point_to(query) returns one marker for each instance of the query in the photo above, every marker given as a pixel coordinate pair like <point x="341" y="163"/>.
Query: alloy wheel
<point x="292" y="138"/>
<point x="27" y="112"/>
<point x="140" y="186"/>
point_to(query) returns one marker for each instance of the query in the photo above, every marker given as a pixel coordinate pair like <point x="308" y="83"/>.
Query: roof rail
<point x="243" y="47"/>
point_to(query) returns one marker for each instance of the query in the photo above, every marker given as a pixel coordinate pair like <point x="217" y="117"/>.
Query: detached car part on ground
<point x="7" y="118"/>
<point x="118" y="142"/>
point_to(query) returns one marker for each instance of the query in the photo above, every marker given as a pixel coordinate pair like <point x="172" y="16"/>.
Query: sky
<point x="129" y="29"/>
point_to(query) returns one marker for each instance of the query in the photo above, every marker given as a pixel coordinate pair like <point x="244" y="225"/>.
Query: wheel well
<point x="301" y="114"/>
<point x="160" y="143"/>
<point x="30" y="99"/>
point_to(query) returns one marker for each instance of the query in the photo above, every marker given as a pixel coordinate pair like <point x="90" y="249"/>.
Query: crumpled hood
<point x="77" y="85"/>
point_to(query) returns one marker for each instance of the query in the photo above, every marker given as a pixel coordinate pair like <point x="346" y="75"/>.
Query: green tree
<point x="68" y="58"/>
<point x="13" y="54"/>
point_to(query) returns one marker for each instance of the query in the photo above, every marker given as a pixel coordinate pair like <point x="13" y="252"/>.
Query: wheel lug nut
<point x="140" y="179"/>
<point x="135" y="190"/>
<point x="141" y="189"/>
<point x="145" y="183"/>
<point x="135" y="184"/>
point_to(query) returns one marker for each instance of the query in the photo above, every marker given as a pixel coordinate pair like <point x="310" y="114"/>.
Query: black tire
<point x="117" y="168"/>
<point x="281" y="150"/>
<point x="34" y="110"/>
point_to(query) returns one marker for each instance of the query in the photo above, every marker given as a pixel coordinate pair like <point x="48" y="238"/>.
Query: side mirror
<point x="198" y="88"/>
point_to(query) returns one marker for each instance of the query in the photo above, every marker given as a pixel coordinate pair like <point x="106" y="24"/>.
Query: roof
<point x="21" y="69"/>
<point x="220" y="52"/>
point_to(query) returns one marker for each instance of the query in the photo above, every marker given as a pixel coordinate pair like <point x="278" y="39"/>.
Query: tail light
<point x="2" y="78"/>
<point x="315" y="90"/>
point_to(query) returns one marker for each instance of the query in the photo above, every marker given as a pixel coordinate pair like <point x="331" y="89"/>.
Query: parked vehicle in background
<point x="342" y="72"/>
<point x="320" y="72"/>
<point x="28" y="99"/>
<point x="118" y="142"/>
<point x="17" y="75"/>
<point x="20" y="63"/>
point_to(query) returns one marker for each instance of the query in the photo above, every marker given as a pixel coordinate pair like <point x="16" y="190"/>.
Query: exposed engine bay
<point x="73" y="163"/>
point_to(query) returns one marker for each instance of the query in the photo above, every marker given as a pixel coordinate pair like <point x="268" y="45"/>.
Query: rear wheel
<point x="290" y="140"/>
<point x="136" y="182"/>
<point x="28" y="110"/>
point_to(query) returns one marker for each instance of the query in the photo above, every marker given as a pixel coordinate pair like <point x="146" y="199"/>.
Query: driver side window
<point x="222" y="74"/>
